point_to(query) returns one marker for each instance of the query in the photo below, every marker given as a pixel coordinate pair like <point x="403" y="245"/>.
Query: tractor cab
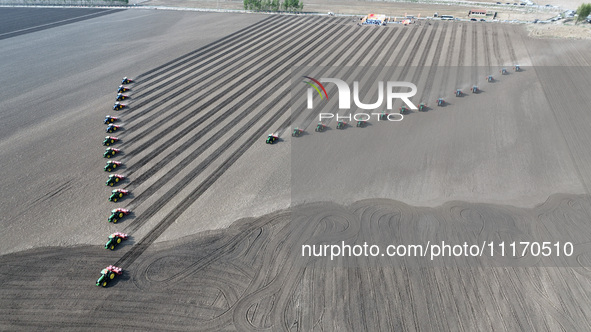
<point x="320" y="127"/>
<point x="341" y="124"/>
<point x="474" y="89"/>
<point x="111" y="165"/>
<point x="489" y="78"/>
<point x="117" y="193"/>
<point x="440" y="102"/>
<point x="361" y="123"/>
<point x="110" y="119"/>
<point x="404" y="109"/>
<point x="108" y="274"/>
<point x="115" y="239"/>
<point x="117" y="214"/>
<point x="109" y="152"/>
<point x="384" y="116"/>
<point x="422" y="107"/>
<point x="110" y="140"/>
<point x="517" y="68"/>
<point x="111" y="128"/>
<point x="114" y="178"/>
<point x="504" y="71"/>
<point x="459" y="93"/>
<point x="297" y="132"/>
<point x="271" y="139"/>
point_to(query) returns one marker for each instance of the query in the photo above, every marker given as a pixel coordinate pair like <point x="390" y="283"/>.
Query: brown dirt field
<point x="213" y="246"/>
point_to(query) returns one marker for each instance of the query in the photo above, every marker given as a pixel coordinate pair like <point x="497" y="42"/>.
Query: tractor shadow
<point x="365" y="125"/>
<point x="304" y="133"/>
<point x="125" y="276"/>
<point x="124" y="198"/>
<point x="327" y="128"/>
<point x="129" y="242"/>
<point x="118" y="184"/>
<point x="425" y="109"/>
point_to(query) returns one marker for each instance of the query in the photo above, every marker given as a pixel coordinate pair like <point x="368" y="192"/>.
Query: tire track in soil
<point x="425" y="54"/>
<point x="150" y="74"/>
<point x="496" y="47"/>
<point x="401" y="33"/>
<point x="435" y="63"/>
<point x="206" y="130"/>
<point x="510" y="46"/>
<point x="206" y="58"/>
<point x="462" y="54"/>
<point x="486" y="50"/>
<point x="446" y="80"/>
<point x="300" y="109"/>
<point x="474" y="52"/>
<point x="168" y="97"/>
<point x="187" y="160"/>
<point x="220" y="96"/>
<point x="130" y="256"/>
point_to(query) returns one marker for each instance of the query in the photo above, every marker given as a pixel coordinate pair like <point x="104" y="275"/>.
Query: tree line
<point x="274" y="5"/>
<point x="582" y="12"/>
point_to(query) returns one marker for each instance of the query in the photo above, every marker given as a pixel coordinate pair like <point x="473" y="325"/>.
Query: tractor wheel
<point x="112" y="246"/>
<point x="107" y="144"/>
<point x="108" y="169"/>
<point x="111" y="184"/>
<point x="120" y="194"/>
<point x="118" y="240"/>
<point x="112" y="275"/>
<point x="104" y="283"/>
<point x="115" y="221"/>
<point x="121" y="215"/>
<point x="115" y="199"/>
<point x="108" y="156"/>
<point x="114" y="129"/>
<point x="112" y="141"/>
<point x="114" y="165"/>
<point x="116" y="179"/>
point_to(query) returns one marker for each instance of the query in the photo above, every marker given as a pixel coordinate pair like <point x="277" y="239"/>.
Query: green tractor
<point x="117" y="214"/>
<point x="297" y="132"/>
<point x="111" y="165"/>
<point x="320" y="127"/>
<point x="272" y="138"/>
<point x="110" y="140"/>
<point x="113" y="179"/>
<point x="115" y="239"/>
<point x="108" y="274"/>
<point x="110" y="152"/>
